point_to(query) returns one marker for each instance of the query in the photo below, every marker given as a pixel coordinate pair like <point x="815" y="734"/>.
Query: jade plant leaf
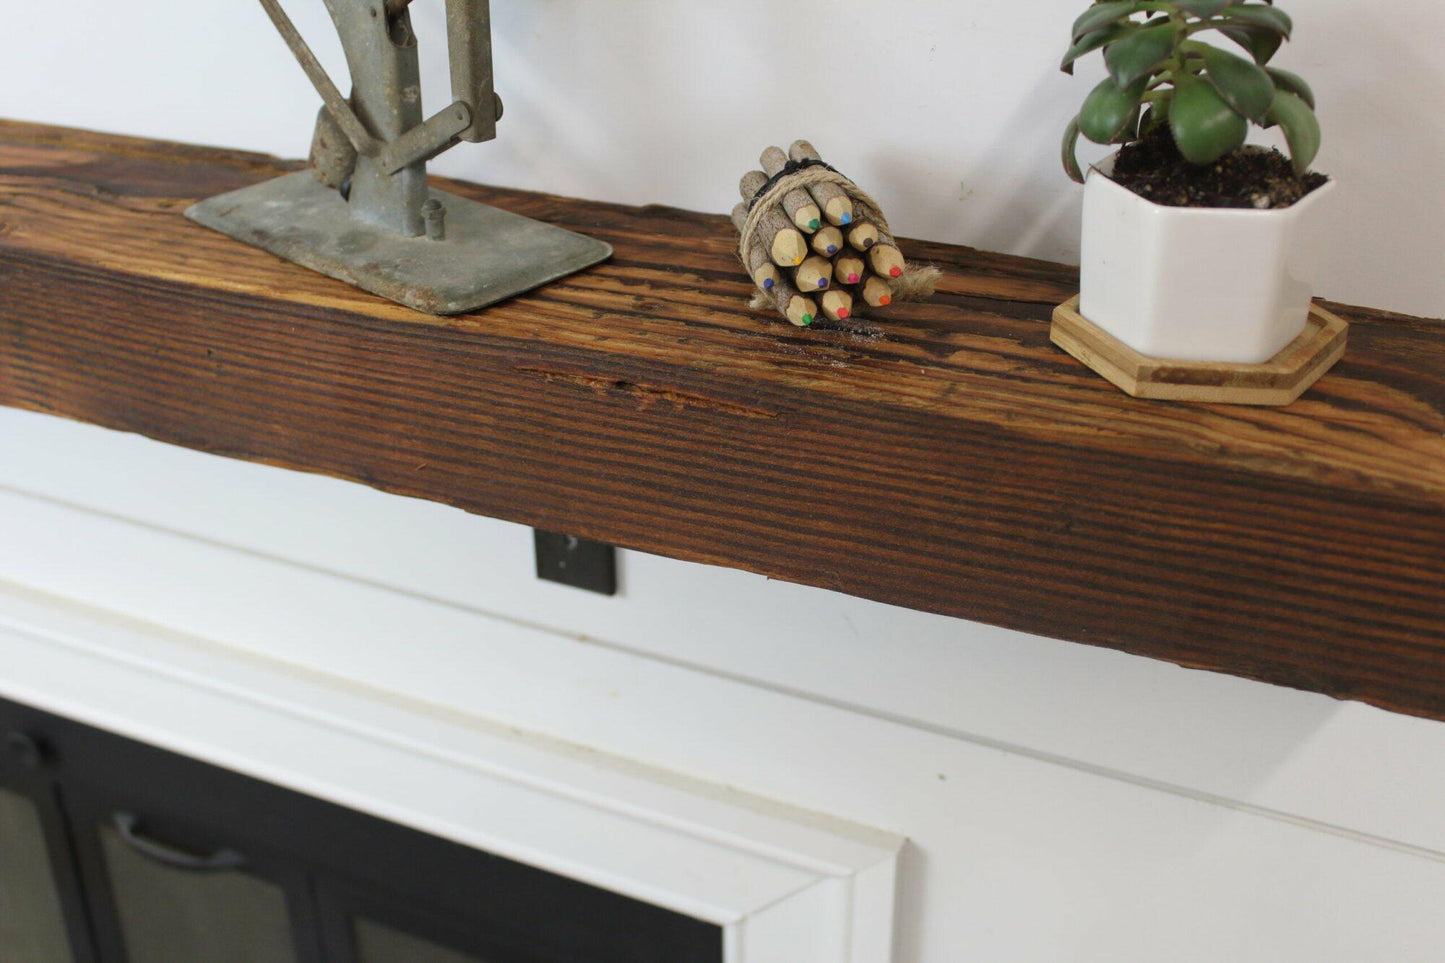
<point x="1294" y="83"/>
<point x="1262" y="44"/>
<point x="1138" y="52"/>
<point x="1160" y="74"/>
<point x="1102" y="15"/>
<point x="1203" y="8"/>
<point x="1205" y="127"/>
<point x="1091" y="41"/>
<point x="1070" y="148"/>
<point x="1242" y="83"/>
<point x="1259" y="15"/>
<point x="1301" y="128"/>
<point x="1109" y="108"/>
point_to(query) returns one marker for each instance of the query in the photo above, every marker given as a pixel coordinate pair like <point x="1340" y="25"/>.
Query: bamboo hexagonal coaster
<point x="1277" y="381"/>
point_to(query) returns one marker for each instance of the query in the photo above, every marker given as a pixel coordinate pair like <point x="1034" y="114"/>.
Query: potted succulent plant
<point x="1195" y="246"/>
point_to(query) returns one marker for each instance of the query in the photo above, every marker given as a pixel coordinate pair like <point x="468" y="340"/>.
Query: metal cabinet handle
<point x="128" y="825"/>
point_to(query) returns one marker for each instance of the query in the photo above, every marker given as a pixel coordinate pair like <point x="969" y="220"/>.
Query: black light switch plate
<point x="578" y="562"/>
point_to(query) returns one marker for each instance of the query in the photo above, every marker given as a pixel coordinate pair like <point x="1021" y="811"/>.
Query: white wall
<point x="1061" y="802"/>
<point x="950" y="112"/>
<point x="1064" y="803"/>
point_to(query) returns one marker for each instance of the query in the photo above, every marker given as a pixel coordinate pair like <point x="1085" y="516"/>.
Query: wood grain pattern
<point x="1278" y="381"/>
<point x="948" y="459"/>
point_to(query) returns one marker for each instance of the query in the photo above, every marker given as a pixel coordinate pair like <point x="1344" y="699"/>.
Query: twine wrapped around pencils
<point x="793" y="196"/>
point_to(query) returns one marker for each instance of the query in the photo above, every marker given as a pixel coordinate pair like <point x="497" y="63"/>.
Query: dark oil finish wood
<point x="947" y="459"/>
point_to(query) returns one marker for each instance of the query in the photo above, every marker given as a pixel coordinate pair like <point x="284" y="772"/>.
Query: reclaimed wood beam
<point x="948" y="459"/>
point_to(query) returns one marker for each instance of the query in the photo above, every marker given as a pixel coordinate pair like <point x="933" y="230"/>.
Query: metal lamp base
<point x="487" y="255"/>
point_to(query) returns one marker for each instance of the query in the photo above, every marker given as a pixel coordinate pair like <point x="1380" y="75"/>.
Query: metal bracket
<point x="578" y="562"/>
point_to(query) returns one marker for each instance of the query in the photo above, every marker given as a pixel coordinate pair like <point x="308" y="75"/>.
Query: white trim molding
<point x="786" y="885"/>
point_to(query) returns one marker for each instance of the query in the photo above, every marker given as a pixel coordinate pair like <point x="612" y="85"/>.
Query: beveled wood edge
<point x="1279" y="381"/>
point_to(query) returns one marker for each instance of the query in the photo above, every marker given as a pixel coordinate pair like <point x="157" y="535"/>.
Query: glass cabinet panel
<point x="32" y="927"/>
<point x="376" y="943"/>
<point x="219" y="916"/>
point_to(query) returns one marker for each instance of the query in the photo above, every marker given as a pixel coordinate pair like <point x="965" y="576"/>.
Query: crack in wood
<point x="647" y="394"/>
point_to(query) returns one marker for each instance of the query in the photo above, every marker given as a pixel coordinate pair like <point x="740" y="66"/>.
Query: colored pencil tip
<point x="896" y="272"/>
<point x="797" y="261"/>
<point x="853" y="278"/>
<point x="885" y="300"/>
<point x="832" y="249"/>
<point x="847" y="218"/>
<point x="822" y="282"/>
<point x="768" y="284"/>
<point x="807" y="320"/>
<point x="842" y="313"/>
<point x="815" y="224"/>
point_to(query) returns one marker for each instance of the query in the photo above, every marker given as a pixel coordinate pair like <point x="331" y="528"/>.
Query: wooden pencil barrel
<point x="836" y="304"/>
<point x="793" y="305"/>
<point x="764" y="273"/>
<point x="877" y="292"/>
<point x="836" y="205"/>
<point x="798" y="204"/>
<point x="783" y="242"/>
<point x="814" y="274"/>
<point x="885" y="258"/>
<point x="849" y="269"/>
<point x="862" y="235"/>
<point x="828" y="241"/>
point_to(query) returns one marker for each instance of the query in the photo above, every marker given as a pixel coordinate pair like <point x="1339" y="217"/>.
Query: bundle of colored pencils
<point x="814" y="243"/>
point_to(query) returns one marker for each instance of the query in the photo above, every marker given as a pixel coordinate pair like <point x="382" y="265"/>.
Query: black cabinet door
<point x="167" y="887"/>
<point x="143" y="856"/>
<point x="173" y="857"/>
<point x="32" y="915"/>
<point x="361" y="926"/>
<point x="42" y="908"/>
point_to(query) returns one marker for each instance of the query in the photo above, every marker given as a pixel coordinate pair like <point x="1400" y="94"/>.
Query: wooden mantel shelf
<point x="949" y="460"/>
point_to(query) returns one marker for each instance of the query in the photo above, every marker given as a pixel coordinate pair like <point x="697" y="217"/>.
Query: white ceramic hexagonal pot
<point x="1197" y="284"/>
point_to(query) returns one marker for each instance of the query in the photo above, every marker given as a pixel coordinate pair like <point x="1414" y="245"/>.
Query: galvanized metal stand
<point x="364" y="213"/>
